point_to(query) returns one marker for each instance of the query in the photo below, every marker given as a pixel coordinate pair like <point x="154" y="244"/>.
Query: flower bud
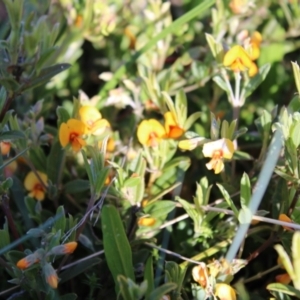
<point x="200" y="275"/>
<point x="27" y="261"/>
<point x="283" y="278"/>
<point x="63" y="249"/>
<point x="50" y="275"/>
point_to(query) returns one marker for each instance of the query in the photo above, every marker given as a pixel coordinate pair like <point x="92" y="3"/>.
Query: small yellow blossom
<point x="150" y="132"/>
<point x="225" y="292"/>
<point x="239" y="60"/>
<point x="5" y="147"/>
<point x="35" y="187"/>
<point x="27" y="261"/>
<point x="218" y="150"/>
<point x="200" y="275"/>
<point x="239" y="6"/>
<point x="285" y="218"/>
<point x="132" y="39"/>
<point x="71" y="133"/>
<point x="92" y="119"/>
<point x="146" y="221"/>
<point x="283" y="278"/>
<point x="255" y="42"/>
<point x="173" y="130"/>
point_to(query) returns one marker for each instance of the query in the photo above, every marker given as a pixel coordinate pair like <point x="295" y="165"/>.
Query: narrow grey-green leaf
<point x="116" y="246"/>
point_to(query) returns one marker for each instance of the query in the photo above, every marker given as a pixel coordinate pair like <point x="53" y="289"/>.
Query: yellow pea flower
<point x="32" y="184"/>
<point x="225" y="292"/>
<point x="92" y="119"/>
<point x="71" y="133"/>
<point x="255" y="41"/>
<point x="218" y="150"/>
<point x="283" y="278"/>
<point x="5" y="147"/>
<point x="239" y="60"/>
<point x="239" y="6"/>
<point x="285" y="218"/>
<point x="200" y="275"/>
<point x="173" y="130"/>
<point x="150" y="132"/>
<point x="146" y="221"/>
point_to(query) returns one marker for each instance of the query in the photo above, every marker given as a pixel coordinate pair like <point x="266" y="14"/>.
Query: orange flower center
<point x="73" y="137"/>
<point x="218" y="154"/>
<point x="152" y="140"/>
<point x="38" y="187"/>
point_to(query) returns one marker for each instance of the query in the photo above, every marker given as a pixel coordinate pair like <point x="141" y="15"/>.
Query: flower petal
<point x="64" y="134"/>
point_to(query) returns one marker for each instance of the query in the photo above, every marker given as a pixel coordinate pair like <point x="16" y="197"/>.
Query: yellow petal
<point x="225" y="292"/>
<point x="64" y="134"/>
<point x="150" y="132"/>
<point x="76" y="126"/>
<point x="215" y="164"/>
<point x="253" y="70"/>
<point x="285" y="218"/>
<point x="256" y="38"/>
<point x="231" y="55"/>
<point x="100" y="126"/>
<point x="283" y="278"/>
<point x="146" y="221"/>
<point x="31" y="180"/>
<point x="188" y="144"/>
<point x="89" y="114"/>
<point x="200" y="275"/>
<point x="224" y="145"/>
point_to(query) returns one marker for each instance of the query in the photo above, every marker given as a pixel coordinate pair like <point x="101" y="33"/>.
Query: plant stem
<point x="10" y="219"/>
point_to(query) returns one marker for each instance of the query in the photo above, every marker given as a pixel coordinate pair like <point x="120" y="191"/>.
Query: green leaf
<point x="4" y="235"/>
<point x="77" y="186"/>
<point x="240" y="155"/>
<point x="164" y="289"/>
<point x="55" y="163"/>
<point x="60" y="222"/>
<point x="70" y="296"/>
<point x="245" y="190"/>
<point x="193" y="213"/>
<point x="296" y="71"/>
<point x="149" y="276"/>
<point x="194" y="13"/>
<point x="228" y="200"/>
<point x="79" y="268"/>
<point x="159" y="208"/>
<point x="294" y="134"/>
<point x="255" y="81"/>
<point x="245" y="215"/>
<point x="116" y="246"/>
<point x="284" y="288"/>
<point x="62" y="115"/>
<point x="175" y="273"/>
<point x="43" y="77"/>
<point x="37" y="157"/>
<point x="11" y="135"/>
<point x="191" y="120"/>
<point x="222" y="84"/>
